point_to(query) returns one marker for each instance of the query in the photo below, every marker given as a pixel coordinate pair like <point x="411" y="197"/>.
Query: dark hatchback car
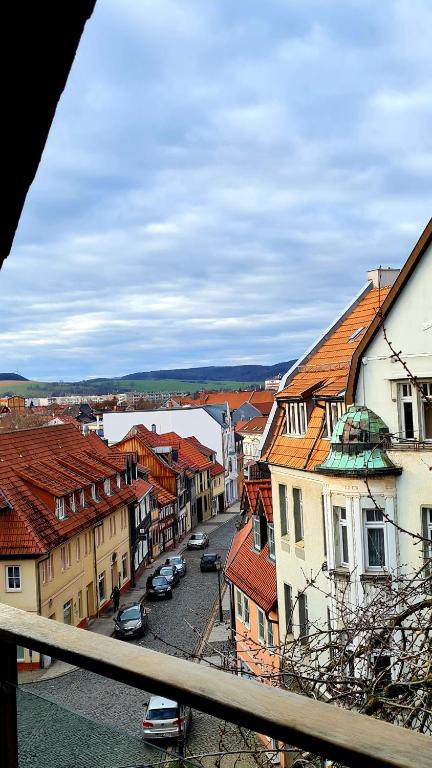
<point x="179" y="562"/>
<point x="210" y="562"/>
<point x="131" y="621"/>
<point x="158" y="588"/>
<point x="170" y="572"/>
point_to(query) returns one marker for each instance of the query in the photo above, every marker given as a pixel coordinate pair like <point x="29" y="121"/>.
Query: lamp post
<point x="220" y="592"/>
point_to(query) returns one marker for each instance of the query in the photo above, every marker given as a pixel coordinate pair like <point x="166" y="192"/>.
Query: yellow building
<point x="64" y="524"/>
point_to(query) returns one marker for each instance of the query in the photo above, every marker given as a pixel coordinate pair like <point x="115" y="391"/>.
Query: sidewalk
<point x="103" y="625"/>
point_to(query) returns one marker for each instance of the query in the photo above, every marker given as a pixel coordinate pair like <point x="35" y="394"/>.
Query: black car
<point x="210" y="562"/>
<point x="170" y="572"/>
<point x="179" y="562"/>
<point x="158" y="588"/>
<point x="131" y="621"/>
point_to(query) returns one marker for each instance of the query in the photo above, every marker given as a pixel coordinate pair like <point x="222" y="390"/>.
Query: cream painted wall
<point x="26" y="598"/>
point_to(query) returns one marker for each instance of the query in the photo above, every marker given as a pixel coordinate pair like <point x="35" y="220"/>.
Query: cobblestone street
<point x="59" y="716"/>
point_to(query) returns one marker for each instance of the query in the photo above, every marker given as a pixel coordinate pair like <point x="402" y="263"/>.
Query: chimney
<point x="153" y="427"/>
<point x="382" y="277"/>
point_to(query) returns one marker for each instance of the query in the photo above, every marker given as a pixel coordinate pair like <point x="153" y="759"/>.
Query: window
<point x="246" y="611"/>
<point x="296" y="418"/>
<point x="256" y="527"/>
<point x="80" y="604"/>
<point x="101" y="586"/>
<point x="87" y="542"/>
<point x="125" y="566"/>
<point x="239" y="603"/>
<point x="67" y="612"/>
<point x="20" y="653"/>
<point x="94" y="492"/>
<point x="65" y="556"/>
<point x="283" y="509"/>
<point x="375" y="545"/>
<point x="72" y="503"/>
<point x="82" y="498"/>
<point x="271" y="542"/>
<point x="334" y="411"/>
<point x="341" y="537"/>
<point x="112" y="526"/>
<point x="118" y="479"/>
<point x="77" y="550"/>
<point x="406" y="412"/>
<point x="426" y="410"/>
<point x="99" y="535"/>
<point x="303" y="617"/>
<point x="261" y="626"/>
<point x="288" y="607"/>
<point x="270" y="636"/>
<point x="60" y="508"/>
<point x="47" y="570"/>
<point x="427" y="533"/>
<point x="107" y="487"/>
<point x="123" y="518"/>
<point x="298" y="514"/>
<point x="13" y="578"/>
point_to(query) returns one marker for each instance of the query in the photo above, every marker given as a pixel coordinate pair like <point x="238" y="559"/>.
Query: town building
<point x="252" y="432"/>
<point x="348" y="447"/>
<point x="64" y="524"/>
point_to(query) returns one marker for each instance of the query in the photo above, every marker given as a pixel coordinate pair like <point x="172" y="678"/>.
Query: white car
<point x="198" y="541"/>
<point x="165" y="719"/>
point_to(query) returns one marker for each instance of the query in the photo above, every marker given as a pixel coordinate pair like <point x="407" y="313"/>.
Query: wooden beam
<point x="354" y="740"/>
<point x="8" y="708"/>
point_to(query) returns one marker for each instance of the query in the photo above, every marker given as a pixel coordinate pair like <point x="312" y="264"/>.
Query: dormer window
<point x="107" y="486"/>
<point x="82" y="497"/>
<point x="72" y="503"/>
<point x="60" y="508"/>
<point x="118" y="480"/>
<point x="256" y="527"/>
<point x="296" y="418"/>
<point x="94" y="492"/>
<point x="334" y="411"/>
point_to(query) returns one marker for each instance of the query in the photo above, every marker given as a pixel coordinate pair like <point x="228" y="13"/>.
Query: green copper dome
<point x="358" y="445"/>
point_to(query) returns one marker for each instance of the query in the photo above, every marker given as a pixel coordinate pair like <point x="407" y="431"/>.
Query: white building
<point x="211" y="425"/>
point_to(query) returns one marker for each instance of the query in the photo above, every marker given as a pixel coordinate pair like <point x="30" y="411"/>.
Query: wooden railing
<point x="354" y="740"/>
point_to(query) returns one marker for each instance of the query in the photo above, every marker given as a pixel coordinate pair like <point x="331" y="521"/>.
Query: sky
<point x="217" y="181"/>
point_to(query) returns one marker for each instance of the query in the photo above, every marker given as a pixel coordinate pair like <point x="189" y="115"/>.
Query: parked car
<point x="198" y="541"/>
<point x="158" y="588"/>
<point x="163" y="718"/>
<point x="179" y="562"/>
<point x="210" y="562"/>
<point x="131" y="621"/>
<point x="170" y="572"/>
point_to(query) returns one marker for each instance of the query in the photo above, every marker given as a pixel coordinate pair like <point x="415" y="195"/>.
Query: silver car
<point x="165" y="719"/>
<point x="198" y="541"/>
<point x="179" y="562"/>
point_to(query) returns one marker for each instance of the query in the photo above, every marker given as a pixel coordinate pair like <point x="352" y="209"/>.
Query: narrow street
<point x="107" y="715"/>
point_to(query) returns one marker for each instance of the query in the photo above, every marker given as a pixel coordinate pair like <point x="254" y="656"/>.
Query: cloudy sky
<point x="219" y="176"/>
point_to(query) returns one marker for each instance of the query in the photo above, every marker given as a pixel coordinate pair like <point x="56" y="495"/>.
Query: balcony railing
<point x="352" y="739"/>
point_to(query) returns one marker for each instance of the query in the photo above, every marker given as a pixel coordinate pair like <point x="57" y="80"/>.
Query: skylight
<point x="356" y="333"/>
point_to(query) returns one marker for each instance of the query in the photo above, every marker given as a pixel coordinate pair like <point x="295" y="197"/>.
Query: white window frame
<point x="341" y="522"/>
<point x="427" y="387"/>
<point x="246" y="609"/>
<point x="118" y="480"/>
<point x="406" y="395"/>
<point x="94" y="493"/>
<point x="271" y="541"/>
<point x="296" y="418"/>
<point x="261" y="626"/>
<point x="101" y="580"/>
<point x="72" y="502"/>
<point x="334" y="411"/>
<point x="380" y="525"/>
<point x="15" y="577"/>
<point x="239" y="605"/>
<point x="82" y="497"/>
<point x="298" y="540"/>
<point x="256" y="530"/>
<point x="426" y="513"/>
<point x="107" y="486"/>
<point x="283" y="512"/>
<point x="270" y="635"/>
<point x="77" y="549"/>
<point x="60" y="508"/>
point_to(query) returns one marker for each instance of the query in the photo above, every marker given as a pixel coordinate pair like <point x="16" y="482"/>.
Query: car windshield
<point x="167" y="713"/>
<point x="129" y="614"/>
<point x="159" y="581"/>
<point x="176" y="560"/>
<point x="197" y="536"/>
<point x="209" y="557"/>
<point x="166" y="570"/>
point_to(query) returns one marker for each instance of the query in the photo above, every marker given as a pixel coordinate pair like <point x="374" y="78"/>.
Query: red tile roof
<point x="217" y="469"/>
<point x="163" y="497"/>
<point x="202" y="448"/>
<point x="251" y="494"/>
<point x="252" y="571"/>
<point x="57" y="460"/>
<point x="141" y="487"/>
<point x="253" y="426"/>
<point x="324" y="373"/>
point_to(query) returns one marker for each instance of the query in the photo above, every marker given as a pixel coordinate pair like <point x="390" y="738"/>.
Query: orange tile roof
<point x="217" y="469"/>
<point x="323" y="374"/>
<point x="251" y="494"/>
<point x="163" y="497"/>
<point x="253" y="426"/>
<point x="58" y="460"/>
<point x="141" y="487"/>
<point x="252" y="571"/>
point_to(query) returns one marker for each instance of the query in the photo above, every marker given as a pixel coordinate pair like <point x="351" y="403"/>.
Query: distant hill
<point x="12" y="377"/>
<point x="245" y="373"/>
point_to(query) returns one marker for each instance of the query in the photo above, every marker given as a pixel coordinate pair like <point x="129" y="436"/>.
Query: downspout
<point x="95" y="569"/>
